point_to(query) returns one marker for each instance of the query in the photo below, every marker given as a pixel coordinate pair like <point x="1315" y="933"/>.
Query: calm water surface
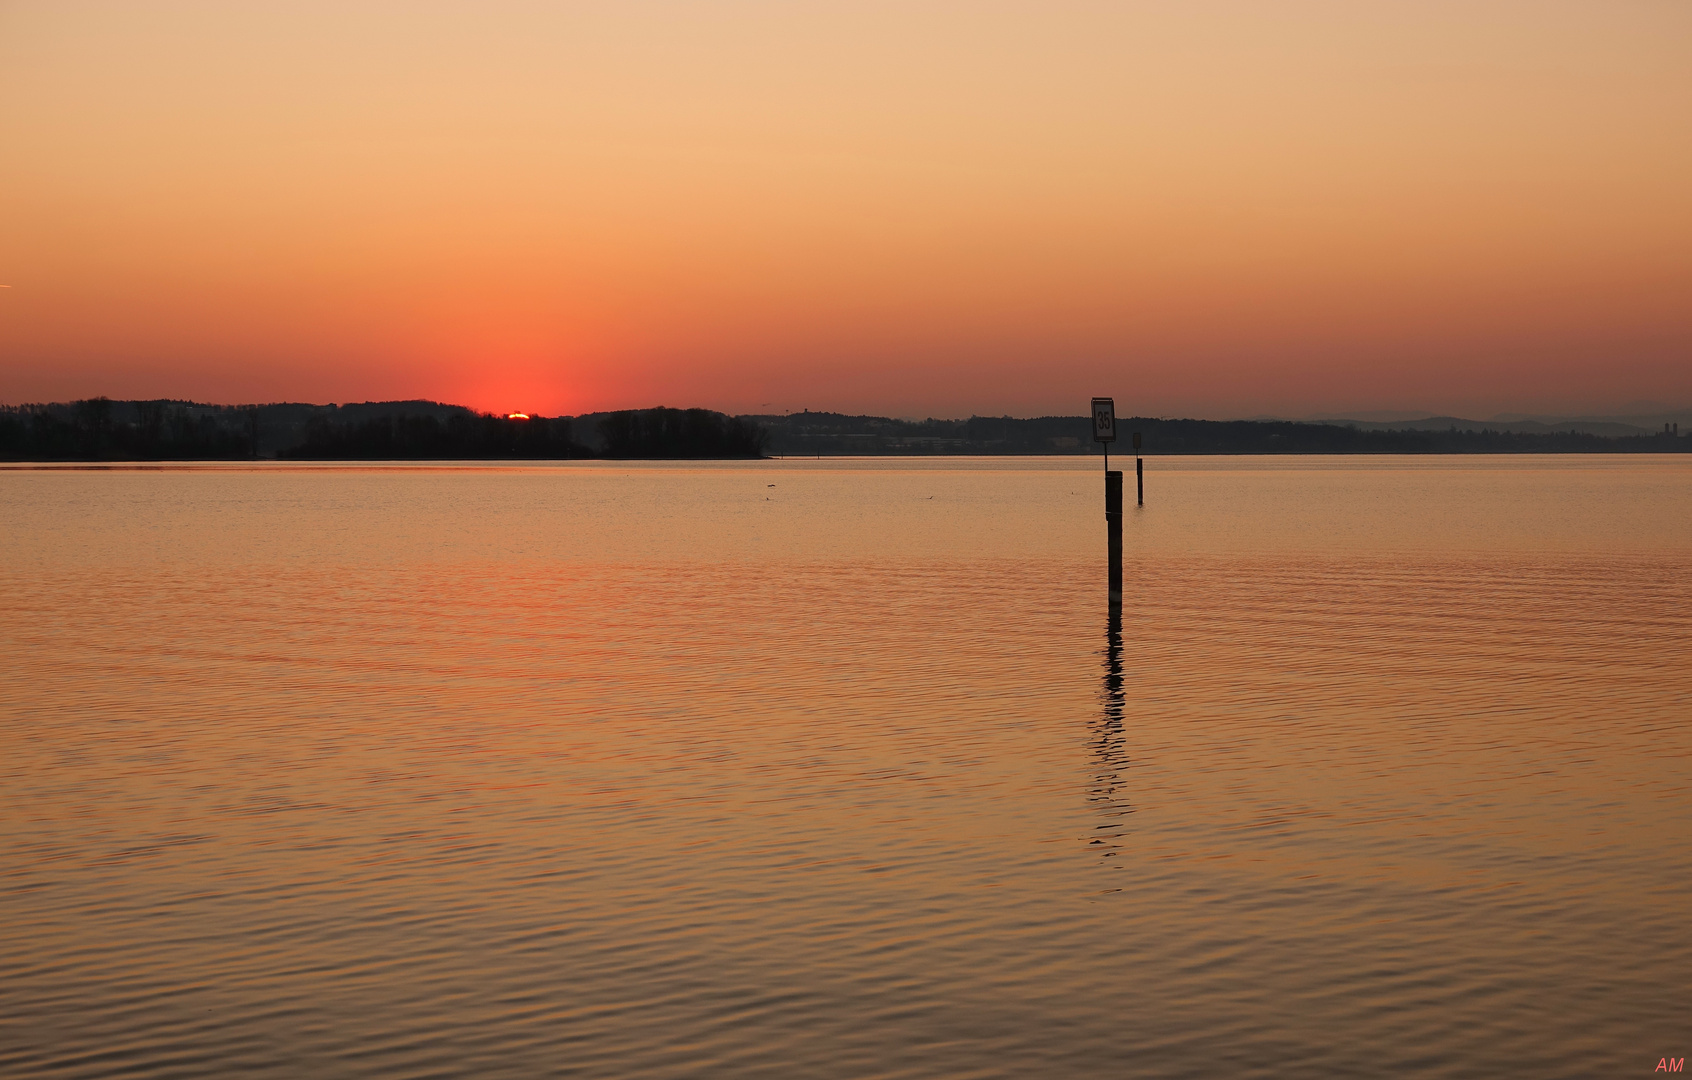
<point x="840" y="769"/>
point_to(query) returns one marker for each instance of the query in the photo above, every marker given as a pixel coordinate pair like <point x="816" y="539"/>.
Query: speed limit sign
<point x="1104" y="419"/>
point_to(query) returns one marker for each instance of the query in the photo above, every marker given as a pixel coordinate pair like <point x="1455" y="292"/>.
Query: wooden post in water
<point x="1139" y="472"/>
<point x="1113" y="525"/>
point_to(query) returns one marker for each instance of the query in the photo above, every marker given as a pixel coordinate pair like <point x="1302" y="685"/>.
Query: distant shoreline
<point x="103" y="430"/>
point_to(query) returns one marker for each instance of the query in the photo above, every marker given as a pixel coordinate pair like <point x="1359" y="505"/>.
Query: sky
<point x="915" y="209"/>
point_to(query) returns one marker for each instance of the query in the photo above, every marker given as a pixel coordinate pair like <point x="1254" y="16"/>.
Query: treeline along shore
<point x="100" y="429"/>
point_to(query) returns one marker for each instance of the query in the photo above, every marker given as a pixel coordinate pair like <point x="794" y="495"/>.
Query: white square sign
<point x="1104" y="419"/>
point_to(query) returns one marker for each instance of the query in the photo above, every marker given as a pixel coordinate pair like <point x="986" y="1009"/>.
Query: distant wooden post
<point x="1104" y="431"/>
<point x="1139" y="471"/>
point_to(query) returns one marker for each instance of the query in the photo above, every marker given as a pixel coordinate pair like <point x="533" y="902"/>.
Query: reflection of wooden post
<point x="1113" y="522"/>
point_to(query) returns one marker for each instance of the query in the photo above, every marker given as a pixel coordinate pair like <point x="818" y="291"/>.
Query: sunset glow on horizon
<point x="1209" y="209"/>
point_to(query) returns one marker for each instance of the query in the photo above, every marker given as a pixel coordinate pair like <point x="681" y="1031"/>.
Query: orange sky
<point x="1207" y="209"/>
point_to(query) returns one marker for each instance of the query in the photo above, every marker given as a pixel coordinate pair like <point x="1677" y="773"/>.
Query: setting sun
<point x="934" y="210"/>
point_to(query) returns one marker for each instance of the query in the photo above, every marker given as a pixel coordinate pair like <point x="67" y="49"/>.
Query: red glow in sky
<point x="1206" y="209"/>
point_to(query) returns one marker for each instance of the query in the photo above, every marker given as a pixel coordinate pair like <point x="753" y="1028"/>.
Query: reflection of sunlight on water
<point x="368" y="772"/>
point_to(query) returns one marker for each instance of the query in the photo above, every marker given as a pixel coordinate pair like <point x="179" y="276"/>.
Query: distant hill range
<point x="836" y="433"/>
<point x="1611" y="427"/>
<point x="102" y="429"/>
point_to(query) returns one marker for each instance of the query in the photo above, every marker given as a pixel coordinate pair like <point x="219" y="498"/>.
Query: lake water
<point x="840" y="769"/>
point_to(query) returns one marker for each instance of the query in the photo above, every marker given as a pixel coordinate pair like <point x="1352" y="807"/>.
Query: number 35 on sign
<point x="1104" y="419"/>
